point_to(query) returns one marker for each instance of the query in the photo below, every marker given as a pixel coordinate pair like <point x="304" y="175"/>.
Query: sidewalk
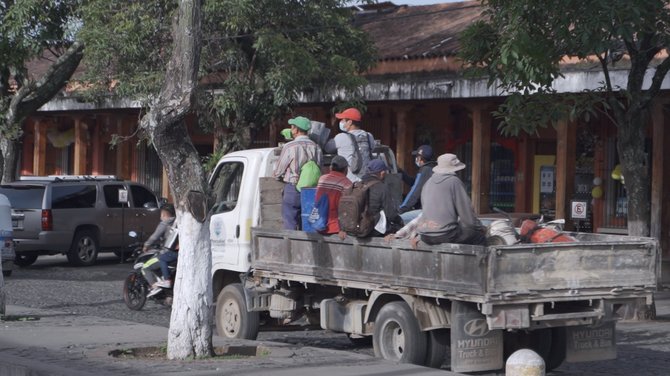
<point x="57" y="343"/>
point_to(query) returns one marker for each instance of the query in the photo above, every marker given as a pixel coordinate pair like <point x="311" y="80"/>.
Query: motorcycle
<point x="136" y="286"/>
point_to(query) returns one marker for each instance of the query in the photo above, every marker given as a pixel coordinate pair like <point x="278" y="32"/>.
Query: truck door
<point x="225" y="226"/>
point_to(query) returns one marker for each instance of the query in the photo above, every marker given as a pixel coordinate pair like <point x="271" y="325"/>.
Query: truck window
<point x="226" y="186"/>
<point x="73" y="196"/>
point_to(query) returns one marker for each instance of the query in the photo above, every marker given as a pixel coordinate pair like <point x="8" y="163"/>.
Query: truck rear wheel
<point x="438" y="343"/>
<point x="397" y="335"/>
<point x="232" y="318"/>
<point x="557" y="354"/>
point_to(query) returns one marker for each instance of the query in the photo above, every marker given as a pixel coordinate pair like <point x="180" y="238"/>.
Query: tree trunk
<point x="190" y="334"/>
<point x="635" y="170"/>
<point x="9" y="149"/>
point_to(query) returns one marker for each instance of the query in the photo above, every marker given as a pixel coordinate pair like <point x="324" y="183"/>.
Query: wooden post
<point x="40" y="148"/>
<point x="481" y="158"/>
<point x="566" y="135"/>
<point x="98" y="155"/>
<point x="522" y="191"/>
<point x="80" y="145"/>
<point x="657" y="120"/>
<point x="405" y="138"/>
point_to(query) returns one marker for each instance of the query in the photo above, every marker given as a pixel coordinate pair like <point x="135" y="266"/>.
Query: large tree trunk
<point x="635" y="169"/>
<point x="9" y="149"/>
<point x="190" y="332"/>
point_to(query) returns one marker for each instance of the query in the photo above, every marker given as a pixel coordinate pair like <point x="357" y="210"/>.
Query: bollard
<point x="524" y="362"/>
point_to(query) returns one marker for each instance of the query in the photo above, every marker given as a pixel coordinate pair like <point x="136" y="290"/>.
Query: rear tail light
<point x="47" y="220"/>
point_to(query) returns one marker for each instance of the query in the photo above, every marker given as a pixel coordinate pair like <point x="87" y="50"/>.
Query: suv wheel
<point x="25" y="259"/>
<point x="84" y="249"/>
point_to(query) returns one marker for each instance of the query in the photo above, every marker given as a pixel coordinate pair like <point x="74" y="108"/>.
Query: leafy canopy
<point x="520" y="43"/>
<point x="257" y="56"/>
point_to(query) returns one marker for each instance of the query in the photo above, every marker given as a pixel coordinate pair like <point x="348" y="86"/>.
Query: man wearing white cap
<point x="447" y="215"/>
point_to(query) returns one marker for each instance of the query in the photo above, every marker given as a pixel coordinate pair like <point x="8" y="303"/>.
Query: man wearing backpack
<point x="354" y="144"/>
<point x="381" y="199"/>
<point x="293" y="156"/>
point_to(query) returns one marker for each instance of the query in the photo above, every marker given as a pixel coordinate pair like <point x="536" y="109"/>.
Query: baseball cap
<point x="376" y="165"/>
<point x="349" y="113"/>
<point x="424" y="151"/>
<point x="301" y="122"/>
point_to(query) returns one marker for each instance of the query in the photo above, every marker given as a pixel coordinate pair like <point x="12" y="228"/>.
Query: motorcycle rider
<point x="163" y="234"/>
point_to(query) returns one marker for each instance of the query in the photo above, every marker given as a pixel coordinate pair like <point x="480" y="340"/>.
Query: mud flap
<point x="587" y="343"/>
<point x="473" y="346"/>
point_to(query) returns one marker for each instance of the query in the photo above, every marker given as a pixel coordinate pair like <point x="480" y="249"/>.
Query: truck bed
<point x="596" y="267"/>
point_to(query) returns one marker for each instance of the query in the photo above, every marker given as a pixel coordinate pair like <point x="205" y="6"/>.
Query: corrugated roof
<point x="402" y="32"/>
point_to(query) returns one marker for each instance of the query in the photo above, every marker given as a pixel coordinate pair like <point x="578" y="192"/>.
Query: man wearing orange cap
<point x="354" y="144"/>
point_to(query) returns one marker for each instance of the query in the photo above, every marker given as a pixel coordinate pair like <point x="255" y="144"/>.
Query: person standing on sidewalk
<point x="354" y="144"/>
<point x="293" y="156"/>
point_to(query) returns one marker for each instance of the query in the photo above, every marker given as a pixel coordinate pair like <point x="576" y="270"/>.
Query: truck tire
<point x="438" y="343"/>
<point x="557" y="354"/>
<point x="84" y="249"/>
<point x="25" y="259"/>
<point x="397" y="335"/>
<point x="232" y="318"/>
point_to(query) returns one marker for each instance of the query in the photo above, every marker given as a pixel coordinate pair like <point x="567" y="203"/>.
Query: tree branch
<point x="606" y="72"/>
<point x="32" y="96"/>
<point x="661" y="71"/>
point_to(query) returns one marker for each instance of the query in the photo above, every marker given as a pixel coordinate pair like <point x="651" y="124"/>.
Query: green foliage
<point x="520" y="44"/>
<point x="258" y="56"/>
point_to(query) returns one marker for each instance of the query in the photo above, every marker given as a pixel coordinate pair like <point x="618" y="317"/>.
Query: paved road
<point x="644" y="348"/>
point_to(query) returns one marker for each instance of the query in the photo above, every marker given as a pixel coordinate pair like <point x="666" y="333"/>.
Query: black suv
<point x="78" y="216"/>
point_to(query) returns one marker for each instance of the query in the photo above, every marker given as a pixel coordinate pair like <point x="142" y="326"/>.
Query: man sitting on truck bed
<point x="380" y="199"/>
<point x="332" y="185"/>
<point x="447" y="215"/>
<point x="293" y="156"/>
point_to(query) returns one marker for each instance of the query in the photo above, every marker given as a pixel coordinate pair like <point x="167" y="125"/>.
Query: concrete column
<point x="524" y="362"/>
<point x="481" y="158"/>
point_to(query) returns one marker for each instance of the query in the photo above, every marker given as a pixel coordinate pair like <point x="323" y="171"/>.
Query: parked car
<point x="7" y="254"/>
<point x="78" y="216"/>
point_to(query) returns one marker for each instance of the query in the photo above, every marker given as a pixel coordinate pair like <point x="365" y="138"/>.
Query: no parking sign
<point x="579" y="209"/>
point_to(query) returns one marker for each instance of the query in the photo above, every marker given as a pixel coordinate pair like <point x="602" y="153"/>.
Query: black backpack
<point x="353" y="210"/>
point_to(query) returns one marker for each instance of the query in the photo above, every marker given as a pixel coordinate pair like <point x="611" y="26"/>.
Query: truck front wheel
<point x="232" y="318"/>
<point x="397" y="335"/>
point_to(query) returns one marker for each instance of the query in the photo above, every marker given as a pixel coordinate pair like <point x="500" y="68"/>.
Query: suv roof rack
<point x="56" y="178"/>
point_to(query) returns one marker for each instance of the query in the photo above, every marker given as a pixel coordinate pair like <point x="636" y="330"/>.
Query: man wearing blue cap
<point x="380" y="199"/>
<point x="423" y="158"/>
<point x="293" y="156"/>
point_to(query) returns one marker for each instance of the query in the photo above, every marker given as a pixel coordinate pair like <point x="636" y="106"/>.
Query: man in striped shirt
<point x="293" y="156"/>
<point x="332" y="185"/>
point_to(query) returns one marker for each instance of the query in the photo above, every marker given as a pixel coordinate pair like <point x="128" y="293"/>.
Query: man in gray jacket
<point x="447" y="215"/>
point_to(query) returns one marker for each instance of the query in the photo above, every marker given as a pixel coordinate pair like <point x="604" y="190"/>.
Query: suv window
<point x="227" y="185"/>
<point x="111" y="193"/>
<point x="73" y="196"/>
<point x="142" y="197"/>
<point x="24" y="197"/>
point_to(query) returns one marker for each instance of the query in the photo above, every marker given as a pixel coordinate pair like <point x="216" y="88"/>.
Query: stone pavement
<point x="56" y="343"/>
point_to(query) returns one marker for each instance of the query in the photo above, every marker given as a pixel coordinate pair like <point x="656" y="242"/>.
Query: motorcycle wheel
<point x="135" y="291"/>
